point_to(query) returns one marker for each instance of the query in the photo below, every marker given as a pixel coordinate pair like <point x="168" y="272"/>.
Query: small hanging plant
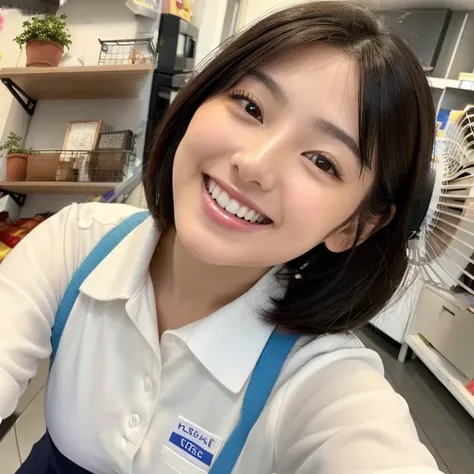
<point x="50" y="28"/>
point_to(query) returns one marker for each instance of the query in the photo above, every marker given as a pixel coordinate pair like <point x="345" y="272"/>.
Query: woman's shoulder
<point x="91" y="221"/>
<point x="76" y="229"/>
<point x="329" y="366"/>
<point x="84" y="225"/>
<point x="337" y="410"/>
<point x="99" y="214"/>
<point x="316" y="353"/>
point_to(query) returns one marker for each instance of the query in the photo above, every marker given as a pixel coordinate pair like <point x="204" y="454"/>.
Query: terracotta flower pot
<point x="16" y="167"/>
<point x="43" y="53"/>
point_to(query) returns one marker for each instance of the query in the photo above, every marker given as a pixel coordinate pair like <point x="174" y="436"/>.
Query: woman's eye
<point x="324" y="163"/>
<point x="252" y="109"/>
<point x="245" y="101"/>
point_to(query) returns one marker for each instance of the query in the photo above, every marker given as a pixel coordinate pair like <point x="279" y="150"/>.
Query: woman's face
<point x="270" y="169"/>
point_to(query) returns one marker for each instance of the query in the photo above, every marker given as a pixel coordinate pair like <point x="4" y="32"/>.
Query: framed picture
<point x="82" y="135"/>
<point x="81" y="138"/>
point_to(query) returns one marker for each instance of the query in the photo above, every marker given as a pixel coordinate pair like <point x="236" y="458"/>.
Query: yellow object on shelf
<point x="181" y="8"/>
<point x="466" y="76"/>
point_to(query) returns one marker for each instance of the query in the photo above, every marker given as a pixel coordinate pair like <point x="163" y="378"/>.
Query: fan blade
<point x="447" y="257"/>
<point x="455" y="203"/>
<point x="453" y="237"/>
<point x="428" y="279"/>
<point x="455" y="278"/>
<point x="455" y="186"/>
<point x="459" y="217"/>
<point x="453" y="225"/>
<point x="455" y="196"/>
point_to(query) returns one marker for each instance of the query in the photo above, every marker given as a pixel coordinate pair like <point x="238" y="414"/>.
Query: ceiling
<point x="402" y="4"/>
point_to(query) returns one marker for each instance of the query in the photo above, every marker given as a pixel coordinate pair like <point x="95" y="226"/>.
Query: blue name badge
<point x="191" y="448"/>
<point x="194" y="443"/>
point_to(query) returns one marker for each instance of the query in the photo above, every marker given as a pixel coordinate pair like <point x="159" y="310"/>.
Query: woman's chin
<point x="214" y="249"/>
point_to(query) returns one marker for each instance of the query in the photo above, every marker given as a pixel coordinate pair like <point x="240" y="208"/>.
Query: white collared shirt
<point x="116" y="393"/>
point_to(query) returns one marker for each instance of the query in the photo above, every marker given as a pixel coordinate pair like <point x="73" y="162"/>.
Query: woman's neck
<point x="187" y="289"/>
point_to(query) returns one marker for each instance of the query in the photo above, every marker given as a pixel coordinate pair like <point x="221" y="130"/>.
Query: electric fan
<point x="442" y="248"/>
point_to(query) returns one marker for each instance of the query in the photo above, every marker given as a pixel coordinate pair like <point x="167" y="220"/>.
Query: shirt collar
<point x="229" y="342"/>
<point x="115" y="277"/>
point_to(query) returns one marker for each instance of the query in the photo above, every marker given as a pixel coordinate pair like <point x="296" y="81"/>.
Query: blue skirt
<point x="45" y="458"/>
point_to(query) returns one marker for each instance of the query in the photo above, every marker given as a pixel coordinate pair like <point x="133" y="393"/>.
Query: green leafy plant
<point x="12" y="145"/>
<point x="49" y="28"/>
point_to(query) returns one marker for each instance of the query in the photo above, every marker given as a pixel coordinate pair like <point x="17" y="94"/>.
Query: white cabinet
<point x="448" y="327"/>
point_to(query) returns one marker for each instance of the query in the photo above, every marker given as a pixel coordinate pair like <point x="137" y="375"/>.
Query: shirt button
<point x="134" y="420"/>
<point x="148" y="384"/>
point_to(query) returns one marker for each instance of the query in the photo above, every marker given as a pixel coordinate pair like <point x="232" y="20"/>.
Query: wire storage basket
<point x="127" y="51"/>
<point x="99" y="166"/>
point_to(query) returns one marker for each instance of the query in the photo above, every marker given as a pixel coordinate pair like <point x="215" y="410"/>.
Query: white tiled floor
<point x="30" y="427"/>
<point x="9" y="458"/>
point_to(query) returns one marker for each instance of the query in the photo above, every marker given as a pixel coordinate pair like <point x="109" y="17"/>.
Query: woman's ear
<point x="343" y="238"/>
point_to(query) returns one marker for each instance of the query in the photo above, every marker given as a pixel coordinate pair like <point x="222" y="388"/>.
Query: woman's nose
<point x="257" y="164"/>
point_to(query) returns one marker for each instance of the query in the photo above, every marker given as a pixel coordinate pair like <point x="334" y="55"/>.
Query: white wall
<point x="91" y="20"/>
<point x="88" y="20"/>
<point x="254" y="9"/>
<point x="48" y="128"/>
<point x="210" y="15"/>
<point x="11" y="58"/>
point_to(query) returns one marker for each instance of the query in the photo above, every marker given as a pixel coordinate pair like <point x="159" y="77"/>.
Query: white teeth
<point x="233" y="206"/>
<point x="249" y="215"/>
<point x="242" y="211"/>
<point x="216" y="192"/>
<point x="223" y="199"/>
<point x="255" y="217"/>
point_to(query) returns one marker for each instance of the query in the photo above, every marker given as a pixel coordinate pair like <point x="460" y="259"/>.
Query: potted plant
<point x="17" y="158"/>
<point x="45" y="39"/>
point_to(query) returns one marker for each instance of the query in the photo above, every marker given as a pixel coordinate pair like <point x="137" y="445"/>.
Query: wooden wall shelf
<point x="56" y="187"/>
<point x="120" y="81"/>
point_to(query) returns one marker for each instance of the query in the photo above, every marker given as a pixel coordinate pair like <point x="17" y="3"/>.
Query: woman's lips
<point x="215" y="212"/>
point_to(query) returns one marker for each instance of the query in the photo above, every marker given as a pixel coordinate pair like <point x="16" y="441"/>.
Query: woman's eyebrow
<point x="323" y="125"/>
<point x="334" y="131"/>
<point x="273" y="86"/>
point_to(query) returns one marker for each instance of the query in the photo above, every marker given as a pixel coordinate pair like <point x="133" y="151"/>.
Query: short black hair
<point x="338" y="291"/>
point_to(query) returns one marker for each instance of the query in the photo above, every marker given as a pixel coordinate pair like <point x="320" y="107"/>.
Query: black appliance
<point x="37" y="6"/>
<point x="176" y="60"/>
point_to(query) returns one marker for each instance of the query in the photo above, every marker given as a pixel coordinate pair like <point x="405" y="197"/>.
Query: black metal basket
<point x="127" y="51"/>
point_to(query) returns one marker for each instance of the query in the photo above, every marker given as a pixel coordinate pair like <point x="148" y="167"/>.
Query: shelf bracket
<point x="19" y="199"/>
<point x="21" y="96"/>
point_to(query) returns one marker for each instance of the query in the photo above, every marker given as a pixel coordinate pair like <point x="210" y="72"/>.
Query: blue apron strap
<point x="99" y="252"/>
<point x="259" y="389"/>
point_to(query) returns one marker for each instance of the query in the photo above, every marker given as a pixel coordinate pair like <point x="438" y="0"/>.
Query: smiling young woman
<point x="214" y="335"/>
<point x="319" y="122"/>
